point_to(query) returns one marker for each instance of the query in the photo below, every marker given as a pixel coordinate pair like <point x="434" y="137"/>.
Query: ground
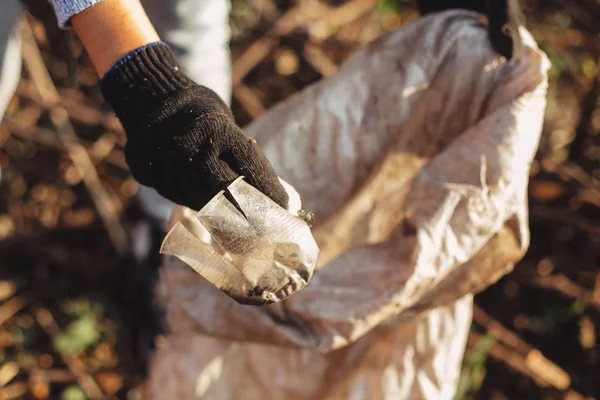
<point x="75" y="317"/>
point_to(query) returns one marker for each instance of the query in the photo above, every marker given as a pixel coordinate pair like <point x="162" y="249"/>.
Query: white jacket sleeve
<point x="65" y="9"/>
<point x="415" y="158"/>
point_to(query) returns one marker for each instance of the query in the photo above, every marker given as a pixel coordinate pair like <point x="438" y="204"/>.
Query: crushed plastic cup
<point x="259" y="255"/>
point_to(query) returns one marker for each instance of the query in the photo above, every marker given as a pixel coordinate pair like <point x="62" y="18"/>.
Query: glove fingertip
<point x="280" y="197"/>
<point x="502" y="42"/>
<point x="250" y="162"/>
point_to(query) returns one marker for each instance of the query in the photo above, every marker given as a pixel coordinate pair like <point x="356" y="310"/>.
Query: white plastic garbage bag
<point x="415" y="158"/>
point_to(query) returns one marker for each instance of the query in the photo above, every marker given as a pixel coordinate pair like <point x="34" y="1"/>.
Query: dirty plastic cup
<point x="258" y="254"/>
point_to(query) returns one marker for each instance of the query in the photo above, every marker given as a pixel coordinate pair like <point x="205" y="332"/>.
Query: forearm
<point x="111" y="29"/>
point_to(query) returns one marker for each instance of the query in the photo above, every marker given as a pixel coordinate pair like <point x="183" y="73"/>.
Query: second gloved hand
<point x="182" y="139"/>
<point x="499" y="15"/>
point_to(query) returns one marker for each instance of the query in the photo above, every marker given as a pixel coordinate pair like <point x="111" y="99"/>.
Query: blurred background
<point x="76" y="320"/>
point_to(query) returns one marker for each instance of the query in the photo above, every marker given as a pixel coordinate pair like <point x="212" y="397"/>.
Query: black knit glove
<point x="182" y="139"/>
<point x="497" y="12"/>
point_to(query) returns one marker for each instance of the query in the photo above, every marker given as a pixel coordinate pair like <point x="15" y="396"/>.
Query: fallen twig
<point x="290" y="20"/>
<point x="7" y="289"/>
<point x="81" y="160"/>
<point x="565" y="217"/>
<point x="52" y="375"/>
<point x="48" y="138"/>
<point x="531" y="358"/>
<point x="499" y="331"/>
<point x="8" y="371"/>
<point x="347" y="13"/>
<point x="566" y="287"/>
<point x="319" y="60"/>
<point x="10" y="308"/>
<point x="306" y="12"/>
<point x="591" y="187"/>
<point x="248" y="100"/>
<point x="14" y="391"/>
<point x="79" y="111"/>
<point x="258" y="50"/>
<point x="529" y="366"/>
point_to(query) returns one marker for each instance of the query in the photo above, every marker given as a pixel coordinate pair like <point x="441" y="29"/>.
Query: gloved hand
<point x="497" y="11"/>
<point x="182" y="139"/>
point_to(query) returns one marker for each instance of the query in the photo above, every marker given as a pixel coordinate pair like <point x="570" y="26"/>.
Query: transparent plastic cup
<point x="259" y="255"/>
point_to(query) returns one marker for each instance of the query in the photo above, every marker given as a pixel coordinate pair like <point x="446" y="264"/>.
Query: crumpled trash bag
<point x="257" y="254"/>
<point x="415" y="158"/>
